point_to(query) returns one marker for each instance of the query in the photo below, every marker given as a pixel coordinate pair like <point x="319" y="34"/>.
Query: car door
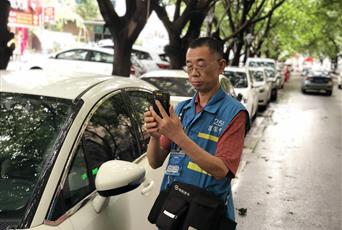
<point x="71" y="60"/>
<point x="252" y="94"/>
<point x="100" y="62"/>
<point x="110" y="133"/>
<point x="149" y="190"/>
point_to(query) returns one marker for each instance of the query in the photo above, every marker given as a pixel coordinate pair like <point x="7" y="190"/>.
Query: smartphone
<point x="164" y="98"/>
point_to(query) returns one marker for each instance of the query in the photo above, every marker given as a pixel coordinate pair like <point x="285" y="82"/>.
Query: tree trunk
<point x="5" y="49"/>
<point x="122" y="57"/>
<point x="125" y="30"/>
<point x="237" y="51"/>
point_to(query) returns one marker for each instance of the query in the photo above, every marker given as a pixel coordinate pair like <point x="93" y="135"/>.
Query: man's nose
<point x="193" y="72"/>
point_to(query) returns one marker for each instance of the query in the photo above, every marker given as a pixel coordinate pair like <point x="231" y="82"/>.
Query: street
<point x="290" y="172"/>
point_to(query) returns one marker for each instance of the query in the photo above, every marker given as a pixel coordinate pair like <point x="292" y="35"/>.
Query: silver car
<point x="317" y="82"/>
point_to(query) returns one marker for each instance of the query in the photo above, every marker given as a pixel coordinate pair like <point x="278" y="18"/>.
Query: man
<point x="204" y="135"/>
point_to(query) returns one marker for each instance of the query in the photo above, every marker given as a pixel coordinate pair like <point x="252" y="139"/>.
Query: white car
<point x="83" y="59"/>
<point x="72" y="152"/>
<point x="275" y="82"/>
<point x="243" y="85"/>
<point x="151" y="60"/>
<point x="261" y="62"/>
<point x="262" y="85"/>
<point x="177" y="84"/>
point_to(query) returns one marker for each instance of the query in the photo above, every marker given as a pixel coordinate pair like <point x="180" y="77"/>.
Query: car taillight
<point x="163" y="66"/>
<point x="132" y="70"/>
<point x="308" y="78"/>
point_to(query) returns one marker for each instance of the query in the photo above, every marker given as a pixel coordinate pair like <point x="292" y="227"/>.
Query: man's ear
<point x="223" y="64"/>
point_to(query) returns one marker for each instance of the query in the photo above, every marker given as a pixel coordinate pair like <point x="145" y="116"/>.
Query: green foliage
<point x="88" y="9"/>
<point x="311" y="27"/>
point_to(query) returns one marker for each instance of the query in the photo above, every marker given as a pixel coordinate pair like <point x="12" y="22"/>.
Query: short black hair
<point x="212" y="43"/>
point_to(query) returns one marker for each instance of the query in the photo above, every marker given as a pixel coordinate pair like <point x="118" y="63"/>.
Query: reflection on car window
<point x="79" y="55"/>
<point x="141" y="55"/>
<point x="29" y="128"/>
<point x="257" y="75"/>
<point x="175" y="86"/>
<point x="141" y="101"/>
<point x="101" y="57"/>
<point x="109" y="135"/>
<point x="238" y="79"/>
<point x="261" y="64"/>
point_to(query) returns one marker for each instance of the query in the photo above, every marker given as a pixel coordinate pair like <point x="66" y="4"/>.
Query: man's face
<point x="204" y="68"/>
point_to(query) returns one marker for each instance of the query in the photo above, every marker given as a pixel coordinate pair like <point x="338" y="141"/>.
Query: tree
<point x="6" y="48"/>
<point x="125" y="30"/>
<point x="237" y="19"/>
<point x="185" y="26"/>
<point x="309" y="27"/>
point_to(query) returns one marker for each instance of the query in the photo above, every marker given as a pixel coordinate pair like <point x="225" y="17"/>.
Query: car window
<point x="176" y="86"/>
<point x="141" y="100"/>
<point x="109" y="135"/>
<point x="73" y="55"/>
<point x="238" y="79"/>
<point x="100" y="57"/>
<point x="257" y="75"/>
<point x="141" y="55"/>
<point x="30" y="127"/>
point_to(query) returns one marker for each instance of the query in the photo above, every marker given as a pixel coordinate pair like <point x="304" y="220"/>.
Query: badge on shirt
<point x="174" y="168"/>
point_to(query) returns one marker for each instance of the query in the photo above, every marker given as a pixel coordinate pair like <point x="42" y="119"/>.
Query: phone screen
<point x="164" y="98"/>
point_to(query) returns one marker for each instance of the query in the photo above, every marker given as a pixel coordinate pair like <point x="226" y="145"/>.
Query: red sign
<point x="23" y="18"/>
<point x="49" y="14"/>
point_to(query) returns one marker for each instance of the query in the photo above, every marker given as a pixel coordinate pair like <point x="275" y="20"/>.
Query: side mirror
<point x="239" y="97"/>
<point x="116" y="177"/>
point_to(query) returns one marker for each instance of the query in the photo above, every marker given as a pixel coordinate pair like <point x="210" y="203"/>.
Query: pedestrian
<point x="204" y="135"/>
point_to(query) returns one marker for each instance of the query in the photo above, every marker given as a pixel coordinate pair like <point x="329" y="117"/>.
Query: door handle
<point x="147" y="188"/>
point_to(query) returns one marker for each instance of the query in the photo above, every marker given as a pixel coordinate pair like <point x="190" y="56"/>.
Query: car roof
<point x="261" y="59"/>
<point x="93" y="48"/>
<point x="58" y="84"/>
<point x="235" y="69"/>
<point x="166" y="73"/>
<point x="256" y="68"/>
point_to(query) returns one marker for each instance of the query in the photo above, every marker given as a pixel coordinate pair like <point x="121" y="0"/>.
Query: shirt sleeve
<point x="165" y="143"/>
<point x="230" y="145"/>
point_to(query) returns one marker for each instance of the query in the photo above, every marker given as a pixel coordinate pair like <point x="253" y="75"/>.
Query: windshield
<point x="238" y="79"/>
<point x="257" y="75"/>
<point x="174" y="85"/>
<point x="261" y="64"/>
<point x="270" y="73"/>
<point x="29" y="127"/>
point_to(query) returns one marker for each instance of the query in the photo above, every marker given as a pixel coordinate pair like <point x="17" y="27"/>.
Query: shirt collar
<point x="211" y="107"/>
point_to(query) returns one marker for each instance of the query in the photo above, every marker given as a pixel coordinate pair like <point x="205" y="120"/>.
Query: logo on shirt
<point x="216" y="126"/>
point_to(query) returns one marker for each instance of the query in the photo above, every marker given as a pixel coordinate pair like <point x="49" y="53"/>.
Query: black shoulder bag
<point x="183" y="206"/>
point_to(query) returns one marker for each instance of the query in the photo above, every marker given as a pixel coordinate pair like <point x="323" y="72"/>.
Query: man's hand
<point x="151" y="124"/>
<point x="169" y="126"/>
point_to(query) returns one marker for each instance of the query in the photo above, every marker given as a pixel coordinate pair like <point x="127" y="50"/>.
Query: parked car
<point x="275" y="82"/>
<point x="317" y="82"/>
<point x="152" y="60"/>
<point x="243" y="85"/>
<point x="72" y="152"/>
<point x="261" y="62"/>
<point x="339" y="80"/>
<point x="84" y="59"/>
<point x="177" y="84"/>
<point x="262" y="85"/>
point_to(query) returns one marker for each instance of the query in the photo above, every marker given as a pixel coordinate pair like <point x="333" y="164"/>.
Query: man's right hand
<point x="151" y="124"/>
